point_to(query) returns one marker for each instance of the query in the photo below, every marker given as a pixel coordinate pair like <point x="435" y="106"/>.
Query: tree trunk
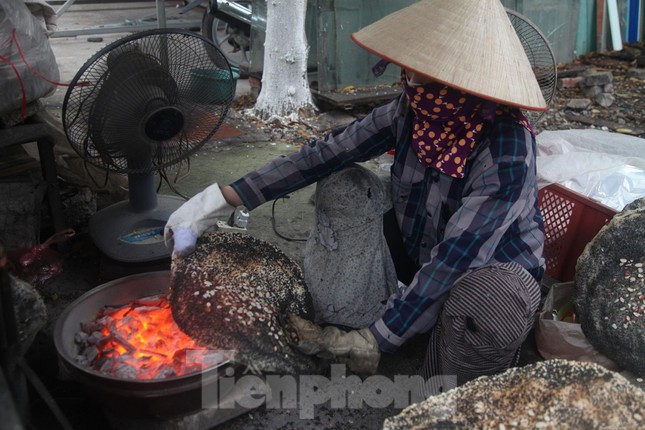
<point x="285" y="89"/>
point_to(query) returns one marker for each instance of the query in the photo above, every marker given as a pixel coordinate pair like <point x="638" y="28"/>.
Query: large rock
<point x="30" y="312"/>
<point x="346" y="256"/>
<point x="231" y="294"/>
<point x="554" y="394"/>
<point x="610" y="289"/>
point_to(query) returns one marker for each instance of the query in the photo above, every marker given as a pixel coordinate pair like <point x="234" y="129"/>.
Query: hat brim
<point x="481" y="31"/>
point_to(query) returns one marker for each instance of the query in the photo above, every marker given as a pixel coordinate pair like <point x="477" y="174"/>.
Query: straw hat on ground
<point x="470" y="45"/>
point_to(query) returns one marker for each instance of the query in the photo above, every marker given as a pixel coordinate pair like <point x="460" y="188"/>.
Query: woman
<point x="465" y="232"/>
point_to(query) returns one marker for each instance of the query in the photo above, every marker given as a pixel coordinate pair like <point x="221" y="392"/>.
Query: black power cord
<point x="275" y="230"/>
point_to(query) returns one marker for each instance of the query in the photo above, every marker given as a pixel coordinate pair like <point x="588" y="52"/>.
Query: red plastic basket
<point x="571" y="220"/>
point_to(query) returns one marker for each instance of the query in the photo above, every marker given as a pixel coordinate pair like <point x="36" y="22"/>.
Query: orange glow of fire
<point x="148" y="339"/>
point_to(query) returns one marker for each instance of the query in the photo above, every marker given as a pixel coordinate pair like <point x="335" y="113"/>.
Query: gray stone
<point x="609" y="88"/>
<point x="78" y="206"/>
<point x="20" y="213"/>
<point x="347" y="264"/>
<point x="578" y="104"/>
<point x="570" y="82"/>
<point x="553" y="394"/>
<point x="30" y="311"/>
<point x="605" y="99"/>
<point x="610" y="289"/>
<point x="598" y="78"/>
<point x="592" y="91"/>
<point x="636" y="73"/>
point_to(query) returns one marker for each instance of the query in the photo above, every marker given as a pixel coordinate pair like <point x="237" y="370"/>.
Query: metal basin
<point x="163" y="398"/>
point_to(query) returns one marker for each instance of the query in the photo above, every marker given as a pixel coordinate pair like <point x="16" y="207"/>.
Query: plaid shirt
<point x="449" y="226"/>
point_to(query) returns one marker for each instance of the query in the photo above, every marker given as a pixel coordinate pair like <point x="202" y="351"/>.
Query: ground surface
<point x="625" y="115"/>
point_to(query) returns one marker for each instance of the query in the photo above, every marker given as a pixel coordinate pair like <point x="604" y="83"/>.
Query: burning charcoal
<point x="148" y="308"/>
<point x="179" y="357"/>
<point x="105" y="321"/>
<point x="99" y="339"/>
<point x="150" y="352"/>
<point x="109" y="310"/>
<point x="89" y="327"/>
<point x="165" y="372"/>
<point x="155" y="301"/>
<point x="121" y="340"/>
<point x="107" y="352"/>
<point x="82" y="360"/>
<point x="151" y="336"/>
<point x="131" y="324"/>
<point x="80" y="338"/>
<point x="104" y="365"/>
<point x="125" y="371"/>
<point x="91" y="353"/>
<point x="160" y="344"/>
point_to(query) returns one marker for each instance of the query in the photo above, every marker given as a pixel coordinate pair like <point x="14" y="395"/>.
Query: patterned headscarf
<point x="448" y="124"/>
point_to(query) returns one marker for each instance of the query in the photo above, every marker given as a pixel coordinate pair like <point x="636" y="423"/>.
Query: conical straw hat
<point x="470" y="45"/>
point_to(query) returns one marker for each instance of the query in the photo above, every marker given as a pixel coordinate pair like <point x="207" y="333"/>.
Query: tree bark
<point x="285" y="89"/>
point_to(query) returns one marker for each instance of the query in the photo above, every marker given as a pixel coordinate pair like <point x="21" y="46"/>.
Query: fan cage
<point x="179" y="73"/>
<point x="538" y="50"/>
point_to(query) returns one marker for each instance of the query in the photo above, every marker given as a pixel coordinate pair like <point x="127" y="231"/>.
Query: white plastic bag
<point x="564" y="340"/>
<point x="24" y="45"/>
<point x="604" y="166"/>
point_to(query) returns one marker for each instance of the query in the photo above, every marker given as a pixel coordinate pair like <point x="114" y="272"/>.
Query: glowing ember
<point x="141" y="341"/>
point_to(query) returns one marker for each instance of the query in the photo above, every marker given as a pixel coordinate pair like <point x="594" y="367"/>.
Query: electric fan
<point x="537" y="49"/>
<point x="138" y="106"/>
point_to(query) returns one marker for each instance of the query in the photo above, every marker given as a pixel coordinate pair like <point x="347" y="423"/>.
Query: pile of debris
<point x="602" y="90"/>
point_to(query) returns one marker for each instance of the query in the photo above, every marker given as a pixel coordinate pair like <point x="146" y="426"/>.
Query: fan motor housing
<point x="164" y="123"/>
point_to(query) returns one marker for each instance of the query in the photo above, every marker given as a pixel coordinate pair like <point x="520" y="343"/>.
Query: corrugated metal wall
<point x="576" y="27"/>
<point x="557" y="19"/>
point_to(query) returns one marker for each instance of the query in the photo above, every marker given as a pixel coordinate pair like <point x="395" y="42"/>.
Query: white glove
<point x="193" y="218"/>
<point x="356" y="348"/>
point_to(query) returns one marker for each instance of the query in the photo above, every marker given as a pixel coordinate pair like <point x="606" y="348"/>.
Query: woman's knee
<point x="486" y="318"/>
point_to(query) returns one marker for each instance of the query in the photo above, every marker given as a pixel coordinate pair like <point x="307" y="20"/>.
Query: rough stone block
<point x="636" y="73"/>
<point x="640" y="61"/>
<point x="578" y="104"/>
<point x="30" y="311"/>
<point x="346" y="255"/>
<point x="610" y="289"/>
<point x="598" y="78"/>
<point x="605" y="99"/>
<point x="572" y="82"/>
<point x="592" y="91"/>
<point x="553" y="394"/>
<point x="230" y="295"/>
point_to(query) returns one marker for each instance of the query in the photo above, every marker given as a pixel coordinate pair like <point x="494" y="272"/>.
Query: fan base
<point x="133" y="237"/>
